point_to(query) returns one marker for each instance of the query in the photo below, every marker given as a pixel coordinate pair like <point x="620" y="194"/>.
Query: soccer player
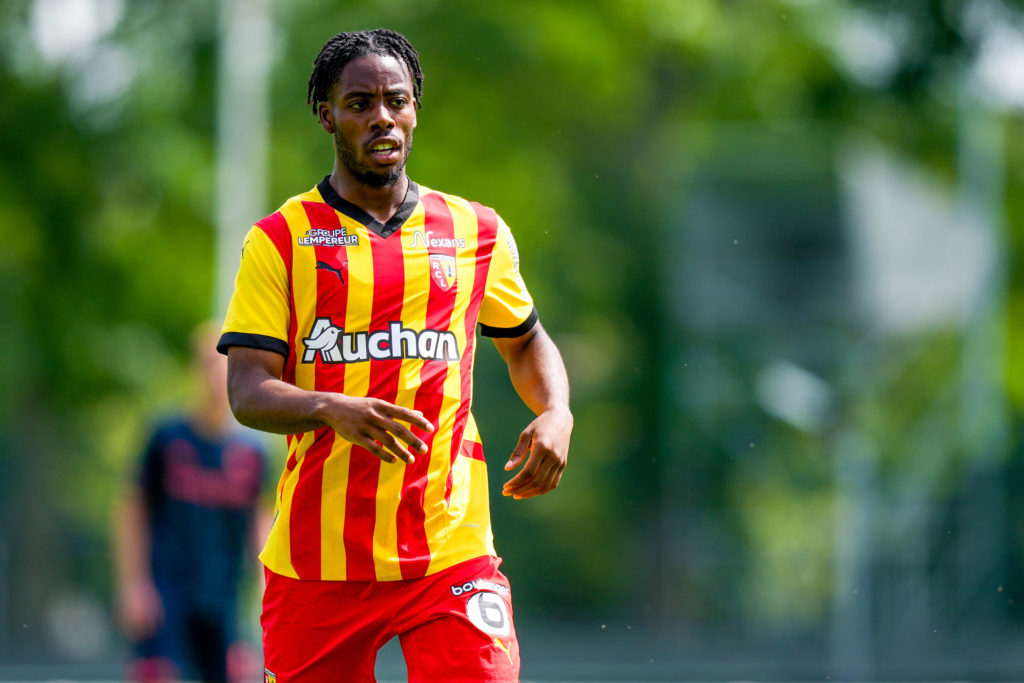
<point x="352" y="329"/>
<point x="184" y="532"/>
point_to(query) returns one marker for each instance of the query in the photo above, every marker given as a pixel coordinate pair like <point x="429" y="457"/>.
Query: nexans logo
<point x="335" y="345"/>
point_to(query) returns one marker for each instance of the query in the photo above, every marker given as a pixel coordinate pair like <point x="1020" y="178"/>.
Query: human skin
<point x="370" y="107"/>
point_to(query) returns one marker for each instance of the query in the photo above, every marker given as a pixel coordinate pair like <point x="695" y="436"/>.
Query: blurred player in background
<point x="187" y="527"/>
<point x="352" y="329"/>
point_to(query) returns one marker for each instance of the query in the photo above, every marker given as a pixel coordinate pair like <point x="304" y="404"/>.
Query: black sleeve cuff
<point x="253" y="341"/>
<point x="510" y="332"/>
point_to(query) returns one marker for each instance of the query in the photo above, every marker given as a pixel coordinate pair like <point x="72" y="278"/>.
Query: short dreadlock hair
<point x="346" y="46"/>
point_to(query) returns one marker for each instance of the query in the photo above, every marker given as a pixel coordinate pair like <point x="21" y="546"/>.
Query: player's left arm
<point x="538" y="375"/>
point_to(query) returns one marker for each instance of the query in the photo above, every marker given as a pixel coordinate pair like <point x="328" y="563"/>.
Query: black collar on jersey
<point x="385" y="230"/>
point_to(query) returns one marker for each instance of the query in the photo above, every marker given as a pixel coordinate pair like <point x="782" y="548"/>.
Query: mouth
<point x="384" y="150"/>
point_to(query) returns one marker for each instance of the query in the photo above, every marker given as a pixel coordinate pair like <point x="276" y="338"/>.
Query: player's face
<point x="371" y="114"/>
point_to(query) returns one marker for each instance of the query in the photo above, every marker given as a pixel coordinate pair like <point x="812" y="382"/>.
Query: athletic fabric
<point x="387" y="311"/>
<point x="454" y="626"/>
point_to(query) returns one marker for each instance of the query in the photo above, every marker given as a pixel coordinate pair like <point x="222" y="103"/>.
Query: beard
<point x="347" y="153"/>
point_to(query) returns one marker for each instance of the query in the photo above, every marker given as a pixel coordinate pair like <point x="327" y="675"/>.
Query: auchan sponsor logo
<point x="336" y="345"/>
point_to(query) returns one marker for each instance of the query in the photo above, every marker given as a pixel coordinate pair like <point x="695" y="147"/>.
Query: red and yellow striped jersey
<point x="388" y="311"/>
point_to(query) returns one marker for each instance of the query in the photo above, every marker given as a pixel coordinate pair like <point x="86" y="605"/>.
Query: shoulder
<point x="278" y="228"/>
<point x="428" y="194"/>
<point x="485" y="218"/>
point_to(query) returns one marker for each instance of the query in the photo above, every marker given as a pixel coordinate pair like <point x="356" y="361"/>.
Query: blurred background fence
<point x="779" y="243"/>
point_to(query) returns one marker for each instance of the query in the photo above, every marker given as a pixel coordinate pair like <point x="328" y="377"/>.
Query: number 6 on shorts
<point x="488" y="613"/>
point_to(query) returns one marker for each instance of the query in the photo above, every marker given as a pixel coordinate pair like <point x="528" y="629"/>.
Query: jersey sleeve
<point x="507" y="309"/>
<point x="259" y="311"/>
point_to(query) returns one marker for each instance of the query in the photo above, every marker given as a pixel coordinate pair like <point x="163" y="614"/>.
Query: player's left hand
<point x="546" y="441"/>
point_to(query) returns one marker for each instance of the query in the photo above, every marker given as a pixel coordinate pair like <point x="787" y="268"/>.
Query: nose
<point x="382" y="117"/>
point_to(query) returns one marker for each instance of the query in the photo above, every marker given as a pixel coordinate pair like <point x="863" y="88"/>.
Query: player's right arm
<point x="261" y="400"/>
<point x="255" y="339"/>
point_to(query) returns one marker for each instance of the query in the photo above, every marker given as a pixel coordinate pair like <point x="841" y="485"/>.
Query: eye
<point x="399" y="102"/>
<point x="357" y="105"/>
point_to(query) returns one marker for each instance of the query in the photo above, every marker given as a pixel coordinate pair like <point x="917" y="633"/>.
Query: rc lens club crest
<point x="442" y="271"/>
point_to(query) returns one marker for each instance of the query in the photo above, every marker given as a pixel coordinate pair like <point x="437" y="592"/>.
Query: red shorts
<point x="454" y="626"/>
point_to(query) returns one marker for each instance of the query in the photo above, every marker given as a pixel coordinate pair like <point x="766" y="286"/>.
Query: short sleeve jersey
<point x="200" y="494"/>
<point x="387" y="311"/>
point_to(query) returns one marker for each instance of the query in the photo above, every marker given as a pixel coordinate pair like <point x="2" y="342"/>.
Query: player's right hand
<point x="376" y="425"/>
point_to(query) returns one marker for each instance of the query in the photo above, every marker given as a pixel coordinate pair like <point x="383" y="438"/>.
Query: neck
<point x="380" y="202"/>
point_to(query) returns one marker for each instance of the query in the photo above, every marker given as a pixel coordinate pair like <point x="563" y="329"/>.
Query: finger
<point x="537" y="487"/>
<point x="529" y="476"/>
<point x="557" y="479"/>
<point x="517" y="482"/>
<point x="548" y="474"/>
<point x="379" y="451"/>
<point x="554" y="475"/>
<point x="389" y="444"/>
<point x="521" y="450"/>
<point x="529" y="490"/>
<point x="413" y="417"/>
<point x="406" y="435"/>
<point x="373" y="445"/>
<point x="536" y="462"/>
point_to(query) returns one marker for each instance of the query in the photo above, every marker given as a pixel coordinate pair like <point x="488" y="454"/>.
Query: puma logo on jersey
<point x="322" y="265"/>
<point x="334" y="345"/>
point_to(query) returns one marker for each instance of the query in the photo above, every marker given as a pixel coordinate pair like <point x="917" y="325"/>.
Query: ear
<point x="326" y="117"/>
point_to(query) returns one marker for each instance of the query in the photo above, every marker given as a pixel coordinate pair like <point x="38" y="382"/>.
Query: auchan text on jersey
<point x="335" y="345"/>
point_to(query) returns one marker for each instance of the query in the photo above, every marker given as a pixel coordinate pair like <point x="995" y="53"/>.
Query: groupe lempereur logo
<point x="319" y="237"/>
